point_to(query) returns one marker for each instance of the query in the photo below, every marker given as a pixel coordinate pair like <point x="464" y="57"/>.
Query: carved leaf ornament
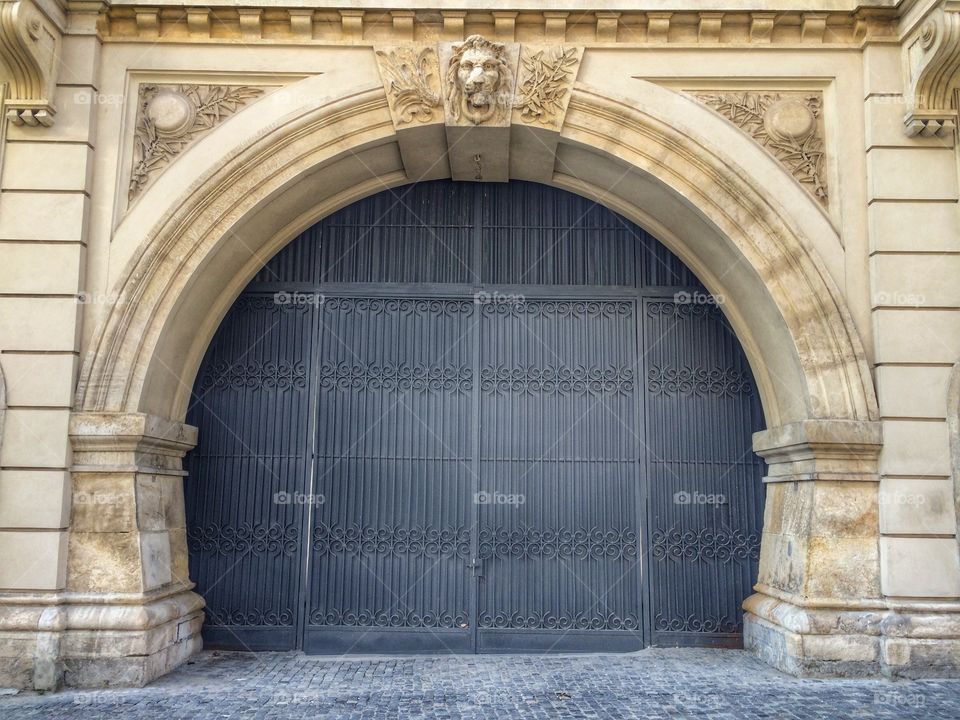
<point x="787" y="126"/>
<point x="411" y="84"/>
<point x="546" y="81"/>
<point x="172" y="116"/>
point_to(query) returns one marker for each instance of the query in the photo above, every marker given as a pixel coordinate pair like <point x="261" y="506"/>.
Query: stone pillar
<point x="132" y="615"/>
<point x="817" y="609"/>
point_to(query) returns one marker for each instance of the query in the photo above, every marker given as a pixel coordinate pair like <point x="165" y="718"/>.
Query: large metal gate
<point x="467" y="417"/>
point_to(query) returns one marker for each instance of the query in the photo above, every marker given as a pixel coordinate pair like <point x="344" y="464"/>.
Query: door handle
<point x="476" y="564"/>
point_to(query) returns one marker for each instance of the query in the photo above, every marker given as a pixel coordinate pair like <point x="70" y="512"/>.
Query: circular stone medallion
<point x="170" y="112"/>
<point x="789" y="118"/>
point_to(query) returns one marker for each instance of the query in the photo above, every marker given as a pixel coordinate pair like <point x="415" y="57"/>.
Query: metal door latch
<point x="476" y="565"/>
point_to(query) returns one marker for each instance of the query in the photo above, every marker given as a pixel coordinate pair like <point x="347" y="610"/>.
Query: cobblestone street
<point x="657" y="683"/>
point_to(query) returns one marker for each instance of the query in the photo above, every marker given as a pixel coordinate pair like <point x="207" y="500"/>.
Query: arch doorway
<point x="465" y="417"/>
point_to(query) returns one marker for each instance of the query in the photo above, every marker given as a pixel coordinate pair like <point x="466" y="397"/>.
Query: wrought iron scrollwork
<point x="581" y="543"/>
<point x="722" y="545"/>
<point x="696" y="623"/>
<point x="274" y="618"/>
<point x="558" y="621"/>
<point x="388" y="618"/>
<point x="552" y="380"/>
<point x="396" y="306"/>
<point x="417" y="541"/>
<point x="559" y="308"/>
<point x="723" y="382"/>
<point x="255" y="375"/>
<point x="347" y="376"/>
<point x="240" y="540"/>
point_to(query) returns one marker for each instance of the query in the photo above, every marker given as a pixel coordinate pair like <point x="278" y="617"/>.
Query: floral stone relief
<point x="543" y="89"/>
<point x="788" y="125"/>
<point x="170" y="117"/>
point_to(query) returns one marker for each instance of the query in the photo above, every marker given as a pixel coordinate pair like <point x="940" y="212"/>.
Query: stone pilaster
<point x="817" y="608"/>
<point x="127" y="614"/>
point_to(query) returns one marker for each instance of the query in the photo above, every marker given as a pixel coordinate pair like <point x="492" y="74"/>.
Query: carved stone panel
<point x="411" y="79"/>
<point x="546" y="76"/>
<point x="788" y="125"/>
<point x="170" y="117"/>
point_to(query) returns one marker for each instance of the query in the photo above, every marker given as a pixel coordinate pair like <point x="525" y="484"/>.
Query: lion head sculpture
<point x="479" y="81"/>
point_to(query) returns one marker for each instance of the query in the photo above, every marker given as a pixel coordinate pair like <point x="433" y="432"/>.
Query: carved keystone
<point x="29" y="57"/>
<point x="497" y="104"/>
<point x="479" y="77"/>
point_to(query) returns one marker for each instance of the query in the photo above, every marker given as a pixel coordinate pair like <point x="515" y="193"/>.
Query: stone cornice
<point x="932" y="61"/>
<point x="806" y="26"/>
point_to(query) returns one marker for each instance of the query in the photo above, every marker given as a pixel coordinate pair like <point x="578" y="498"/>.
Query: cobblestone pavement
<point x="656" y="683"/>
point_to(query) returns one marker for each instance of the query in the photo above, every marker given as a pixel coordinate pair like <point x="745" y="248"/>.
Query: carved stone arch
<point x="189" y="248"/>
<point x="720" y="202"/>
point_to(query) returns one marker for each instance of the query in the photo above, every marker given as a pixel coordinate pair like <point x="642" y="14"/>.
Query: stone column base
<point x="48" y="642"/>
<point x="918" y="640"/>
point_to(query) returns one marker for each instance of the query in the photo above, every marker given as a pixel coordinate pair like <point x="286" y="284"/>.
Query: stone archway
<point x="737" y="219"/>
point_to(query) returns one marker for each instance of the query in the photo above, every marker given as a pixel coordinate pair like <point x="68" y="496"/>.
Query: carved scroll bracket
<point x="29" y="57"/>
<point x="491" y="100"/>
<point x="932" y="59"/>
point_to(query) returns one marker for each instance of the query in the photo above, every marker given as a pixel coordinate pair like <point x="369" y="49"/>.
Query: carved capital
<point x="29" y="57"/>
<point x="932" y="59"/>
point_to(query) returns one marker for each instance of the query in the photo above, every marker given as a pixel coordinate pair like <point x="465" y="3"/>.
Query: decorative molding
<point x="29" y="58"/>
<point x="170" y="117"/>
<point x="411" y="78"/>
<point x="932" y="59"/>
<point x="327" y="25"/>
<point x="546" y="76"/>
<point x="788" y="125"/>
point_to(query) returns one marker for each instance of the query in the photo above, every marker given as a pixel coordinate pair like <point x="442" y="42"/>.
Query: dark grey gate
<point x="464" y="417"/>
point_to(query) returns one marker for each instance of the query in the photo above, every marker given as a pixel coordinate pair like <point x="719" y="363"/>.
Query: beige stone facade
<point x="798" y="155"/>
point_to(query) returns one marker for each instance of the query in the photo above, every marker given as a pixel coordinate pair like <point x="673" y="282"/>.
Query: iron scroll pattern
<point x="401" y="378"/>
<point x="557" y="308"/>
<point x="241" y="540"/>
<point x="559" y="380"/>
<point x="721" y="545"/>
<point x="418" y="541"/>
<point x="255" y="376"/>
<point x="393" y="618"/>
<point x="552" y="621"/>
<point x="246" y="618"/>
<point x="400" y="306"/>
<point x="696" y="623"/>
<point x="580" y="544"/>
<point x="688" y="381"/>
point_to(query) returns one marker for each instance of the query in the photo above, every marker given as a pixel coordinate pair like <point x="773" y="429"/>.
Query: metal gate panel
<point x="706" y="501"/>
<point x="478" y="343"/>
<point x="391" y="538"/>
<point x="244" y="521"/>
<point x="559" y="495"/>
